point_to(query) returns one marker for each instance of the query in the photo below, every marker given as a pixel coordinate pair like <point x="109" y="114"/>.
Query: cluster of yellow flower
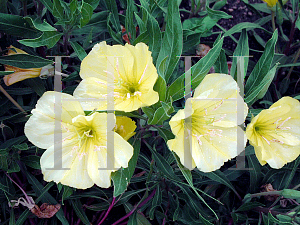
<point x="206" y="131"/>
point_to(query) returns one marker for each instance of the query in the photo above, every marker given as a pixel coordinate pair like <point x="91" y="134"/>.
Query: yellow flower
<point x="271" y="3"/>
<point x="275" y="133"/>
<point x="83" y="142"/>
<point x="206" y="131"/>
<point x="125" y="127"/>
<point x="19" y="74"/>
<point x="127" y="70"/>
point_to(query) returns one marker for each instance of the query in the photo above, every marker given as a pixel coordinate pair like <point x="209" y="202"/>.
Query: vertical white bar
<point x="111" y="61"/>
<point x="58" y="113"/>
<point x="187" y="161"/>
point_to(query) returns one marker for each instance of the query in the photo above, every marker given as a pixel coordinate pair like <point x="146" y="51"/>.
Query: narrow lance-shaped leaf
<point x="242" y="49"/>
<point x="48" y="38"/>
<point x="261" y="70"/>
<point x="199" y="70"/>
<point x="129" y="22"/>
<point x="172" y="41"/>
<point x="25" y="61"/>
<point x="17" y="26"/>
<point x="80" y="52"/>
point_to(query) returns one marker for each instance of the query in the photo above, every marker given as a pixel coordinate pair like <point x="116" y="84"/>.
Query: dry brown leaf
<point x="45" y="211"/>
<point x="268" y="188"/>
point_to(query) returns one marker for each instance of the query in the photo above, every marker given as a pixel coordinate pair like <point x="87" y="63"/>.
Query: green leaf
<point x="115" y="35"/>
<point x="112" y="7"/>
<point x="17" y="26"/>
<point x="121" y="177"/>
<point x="242" y="49"/>
<point x="13" y="167"/>
<point x="80" y="52"/>
<point x="217" y="15"/>
<point x="165" y="134"/>
<point x="149" y="112"/>
<point x="48" y="38"/>
<point x="13" y="141"/>
<point x="36" y="84"/>
<point x="199" y="70"/>
<point x="188" y="176"/>
<point x="136" y="143"/>
<point x="219" y="177"/>
<point x="21" y="147"/>
<point x="48" y="4"/>
<point x="26" y="213"/>
<point x="4" y="188"/>
<point x="221" y="63"/>
<point x="25" y="61"/>
<point x="77" y="206"/>
<point x="160" y="87"/>
<point x="157" y="200"/>
<point x="273" y="220"/>
<point x="171" y="43"/>
<point x="93" y="3"/>
<point x="284" y="85"/>
<point x="292" y="173"/>
<point x="86" y="13"/>
<point x="248" y="206"/>
<point x="68" y="191"/>
<point x="120" y="182"/>
<point x="98" y="23"/>
<point x="129" y="22"/>
<point x="154" y="34"/>
<point x="12" y="220"/>
<point x="132" y="219"/>
<point x="255" y="173"/>
<point x="45" y="196"/>
<point x="3" y="73"/>
<point x="58" y="10"/>
<point x="261" y="70"/>
<point x="262" y="86"/>
<point x="32" y="161"/>
<point x="290" y="193"/>
<point x="162" y="164"/>
<point x="3" y="159"/>
<point x="36" y="22"/>
<point x="240" y="26"/>
<point x="161" y="114"/>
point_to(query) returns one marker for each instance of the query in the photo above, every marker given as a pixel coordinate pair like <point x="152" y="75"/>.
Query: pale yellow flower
<point x="271" y="3"/>
<point x="19" y="74"/>
<point x="210" y="121"/>
<point x="128" y="70"/>
<point x="275" y="133"/>
<point x="125" y="127"/>
<point x="83" y="142"/>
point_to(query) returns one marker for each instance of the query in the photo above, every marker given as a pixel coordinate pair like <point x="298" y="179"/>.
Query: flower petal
<point x="144" y="71"/>
<point x="98" y="168"/>
<point x="41" y="127"/>
<point x="19" y="74"/>
<point x="74" y="172"/>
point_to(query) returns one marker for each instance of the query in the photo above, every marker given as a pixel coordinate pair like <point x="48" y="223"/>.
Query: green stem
<point x="266" y="193"/>
<point x="273" y="20"/>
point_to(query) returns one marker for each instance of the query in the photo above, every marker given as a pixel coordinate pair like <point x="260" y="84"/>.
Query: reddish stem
<point x="26" y="196"/>
<point x="133" y="210"/>
<point x="108" y="210"/>
<point x="291" y="37"/>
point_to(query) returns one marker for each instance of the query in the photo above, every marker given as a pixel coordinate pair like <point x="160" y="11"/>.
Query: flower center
<point x="131" y="90"/>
